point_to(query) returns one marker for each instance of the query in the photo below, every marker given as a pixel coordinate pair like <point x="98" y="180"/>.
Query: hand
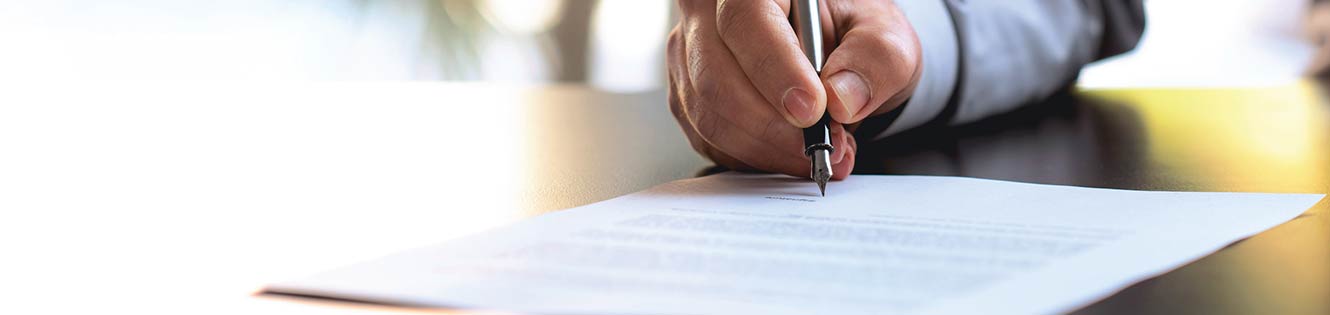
<point x="741" y="89"/>
<point x="1318" y="32"/>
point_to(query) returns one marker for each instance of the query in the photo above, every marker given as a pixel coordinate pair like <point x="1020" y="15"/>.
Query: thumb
<point x="877" y="63"/>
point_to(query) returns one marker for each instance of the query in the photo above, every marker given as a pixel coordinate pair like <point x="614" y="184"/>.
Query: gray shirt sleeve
<point x="986" y="57"/>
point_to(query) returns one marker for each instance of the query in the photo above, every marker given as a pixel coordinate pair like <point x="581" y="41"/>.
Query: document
<point x="768" y="244"/>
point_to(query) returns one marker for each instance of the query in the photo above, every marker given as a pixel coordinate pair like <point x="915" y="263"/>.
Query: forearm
<point x="983" y="58"/>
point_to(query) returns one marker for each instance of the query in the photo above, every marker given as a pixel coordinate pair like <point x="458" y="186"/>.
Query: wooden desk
<point x="187" y="198"/>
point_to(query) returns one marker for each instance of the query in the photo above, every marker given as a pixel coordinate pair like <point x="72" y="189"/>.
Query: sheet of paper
<point x="767" y="244"/>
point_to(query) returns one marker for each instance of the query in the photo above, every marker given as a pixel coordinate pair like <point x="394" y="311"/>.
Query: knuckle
<point x="903" y="50"/>
<point x="676" y="107"/>
<point x="689" y="128"/>
<point x="708" y="125"/>
<point x="908" y="48"/>
<point x="706" y="86"/>
<point x="674" y="50"/>
<point x="699" y="145"/>
<point x="674" y="41"/>
<point x="900" y="55"/>
<point x="689" y="109"/>
<point x="708" y="91"/>
<point x="733" y="19"/>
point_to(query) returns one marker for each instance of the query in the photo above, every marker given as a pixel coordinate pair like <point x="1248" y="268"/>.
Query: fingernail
<point x="851" y="90"/>
<point x="799" y="104"/>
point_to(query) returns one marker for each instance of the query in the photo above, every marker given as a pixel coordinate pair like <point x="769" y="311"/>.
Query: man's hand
<point x="741" y="89"/>
<point x="1318" y="33"/>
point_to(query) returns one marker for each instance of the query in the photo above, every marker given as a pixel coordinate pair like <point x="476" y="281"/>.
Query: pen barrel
<point x="806" y="19"/>
<point x="818" y="137"/>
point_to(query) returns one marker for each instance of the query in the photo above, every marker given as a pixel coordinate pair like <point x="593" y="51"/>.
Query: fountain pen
<point x="805" y="19"/>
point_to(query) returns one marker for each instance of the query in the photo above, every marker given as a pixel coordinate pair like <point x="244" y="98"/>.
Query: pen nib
<point x="821" y="169"/>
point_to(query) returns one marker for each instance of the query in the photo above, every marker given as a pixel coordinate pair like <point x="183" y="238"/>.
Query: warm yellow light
<point x="1268" y="138"/>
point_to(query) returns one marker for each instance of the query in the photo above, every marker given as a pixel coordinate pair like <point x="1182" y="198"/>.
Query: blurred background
<point x="255" y="183"/>
<point x="615" y="45"/>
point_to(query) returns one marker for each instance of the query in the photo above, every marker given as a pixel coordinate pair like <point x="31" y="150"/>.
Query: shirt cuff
<point x="941" y="56"/>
